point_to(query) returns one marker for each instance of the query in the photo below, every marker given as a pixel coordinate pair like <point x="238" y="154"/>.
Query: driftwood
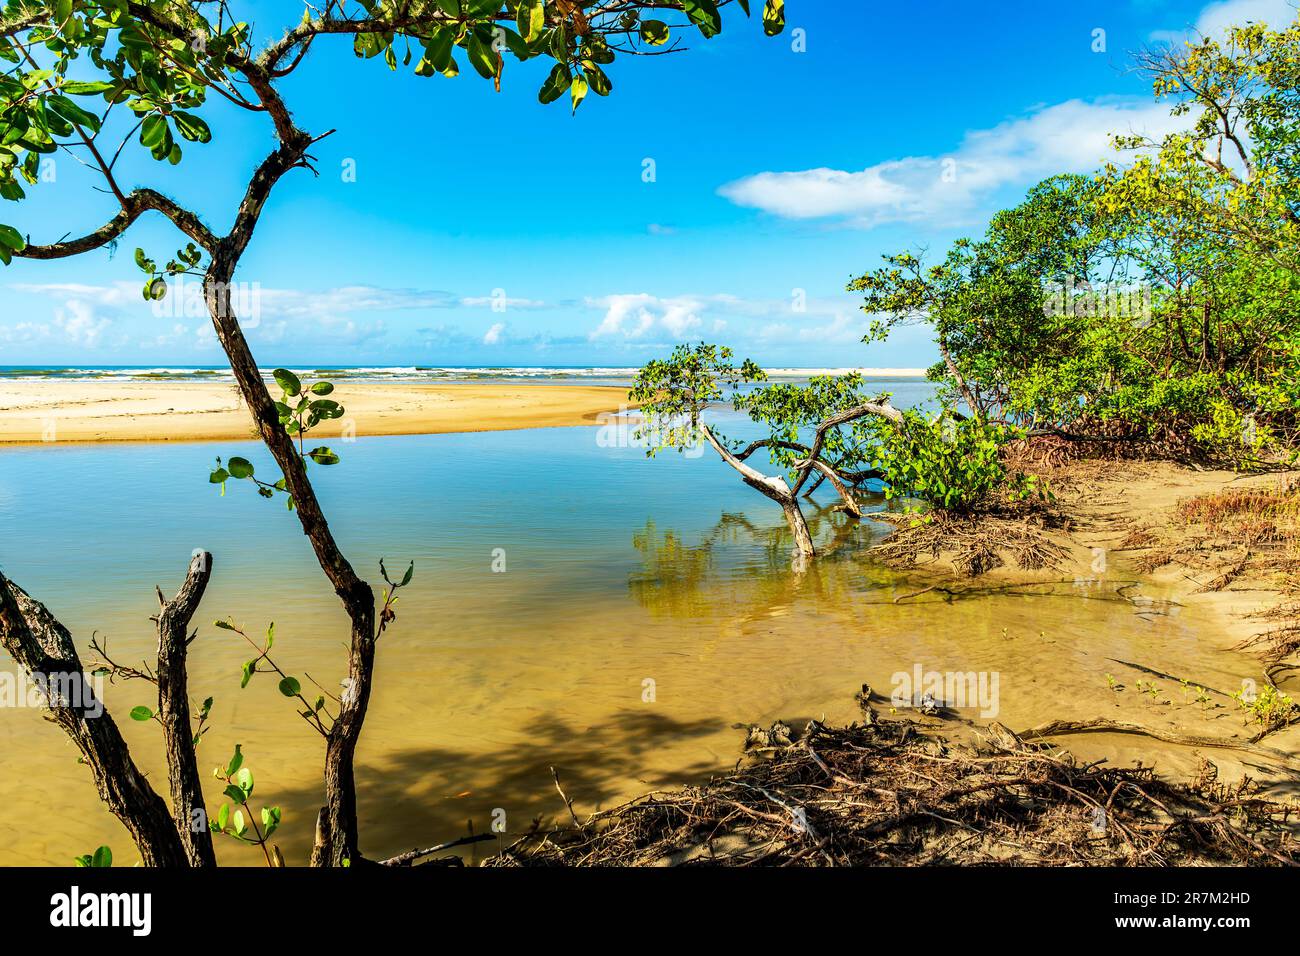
<point x="1155" y="673"/>
<point x="884" y="794"/>
<point x="1102" y="726"/>
<point x="409" y="857"/>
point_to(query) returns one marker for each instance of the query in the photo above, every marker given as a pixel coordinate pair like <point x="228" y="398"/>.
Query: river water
<point x="574" y="605"/>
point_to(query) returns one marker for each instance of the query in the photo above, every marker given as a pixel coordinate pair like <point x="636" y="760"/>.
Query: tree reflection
<point x="742" y="570"/>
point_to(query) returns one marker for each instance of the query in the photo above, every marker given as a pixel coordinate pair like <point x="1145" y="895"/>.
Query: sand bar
<point x="79" y="411"/>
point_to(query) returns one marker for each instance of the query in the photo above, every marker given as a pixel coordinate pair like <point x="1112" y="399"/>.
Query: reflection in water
<point x="620" y="571"/>
<point x="709" y="577"/>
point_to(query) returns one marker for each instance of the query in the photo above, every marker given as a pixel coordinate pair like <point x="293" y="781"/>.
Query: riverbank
<point x="1163" y="770"/>
<point x="32" y="412"/>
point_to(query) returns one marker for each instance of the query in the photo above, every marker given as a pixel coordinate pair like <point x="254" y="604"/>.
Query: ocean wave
<point x="405" y="373"/>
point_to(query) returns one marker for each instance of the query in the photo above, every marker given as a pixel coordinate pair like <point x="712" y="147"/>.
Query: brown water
<point x="668" y="573"/>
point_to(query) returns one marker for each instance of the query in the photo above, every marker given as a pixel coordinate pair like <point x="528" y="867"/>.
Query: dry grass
<point x="1229" y="533"/>
<point x="1233" y="534"/>
<point x="884" y="793"/>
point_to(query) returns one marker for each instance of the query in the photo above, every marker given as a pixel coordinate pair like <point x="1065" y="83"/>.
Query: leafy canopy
<point x="96" y="78"/>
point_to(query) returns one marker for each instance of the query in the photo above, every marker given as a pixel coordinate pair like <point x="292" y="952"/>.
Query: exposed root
<point x="974" y="544"/>
<point x="883" y="793"/>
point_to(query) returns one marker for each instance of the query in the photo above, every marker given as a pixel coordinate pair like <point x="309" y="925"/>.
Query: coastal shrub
<point x="1157" y="300"/>
<point x="950" y="463"/>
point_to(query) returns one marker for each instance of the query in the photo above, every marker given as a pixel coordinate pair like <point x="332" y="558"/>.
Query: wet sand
<point x="80" y="411"/>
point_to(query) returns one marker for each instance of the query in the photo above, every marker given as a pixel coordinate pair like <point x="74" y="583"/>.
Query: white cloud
<point x="493" y="335"/>
<point x="843" y="329"/>
<point x="23" y="332"/>
<point x="345" y="300"/>
<point x="499" y="301"/>
<point x="1070" y="137"/>
<point x="80" y="324"/>
<point x="650" y="319"/>
<point x="117" y="294"/>
<point x="1217" y="17"/>
<point x="634" y="316"/>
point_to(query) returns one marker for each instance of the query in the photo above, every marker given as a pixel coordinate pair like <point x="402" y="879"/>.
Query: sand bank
<point x="50" y="411"/>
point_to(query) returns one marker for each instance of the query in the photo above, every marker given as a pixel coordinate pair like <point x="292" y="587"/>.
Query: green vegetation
<point x="1155" y="303"/>
<point x="107" y="79"/>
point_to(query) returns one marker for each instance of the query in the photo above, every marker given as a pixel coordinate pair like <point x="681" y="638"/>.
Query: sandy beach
<point x="33" y="412"/>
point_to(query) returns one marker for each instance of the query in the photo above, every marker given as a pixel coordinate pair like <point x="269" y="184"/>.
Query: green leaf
<point x="531" y="19"/>
<point x="240" y="825"/>
<point x="250" y="668"/>
<point x="654" y="32"/>
<point x="218" y="477"/>
<point x="103" y="857"/>
<point x="322" y="388"/>
<point x="482" y="57"/>
<point x="556" y="84"/>
<point x="71" y="112"/>
<point x="289" y="382"/>
<point x="368" y="44"/>
<point x="773" y="17"/>
<point x="236" y="761"/>
<point x="240" y="468"/>
<point x="437" y="49"/>
<point x="704" y="14"/>
<point x="406" y="578"/>
<point x="578" y="91"/>
<point x="223" y="816"/>
<point x="141" y="713"/>
<point x="323" y="456"/>
<point x="153" y="131"/>
<point x="290" y="687"/>
<point x="86" y="87"/>
<point x="192" y="127"/>
<point x="600" y="83"/>
<point x="244" y="780"/>
<point x="155" y="289"/>
<point x="326" y="408"/>
<point x="11" y="238"/>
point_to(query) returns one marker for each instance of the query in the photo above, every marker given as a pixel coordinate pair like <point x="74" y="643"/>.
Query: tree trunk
<point x="45" y="650"/>
<point x="337" y="833"/>
<point x="188" y="811"/>
<point x="803" y="544"/>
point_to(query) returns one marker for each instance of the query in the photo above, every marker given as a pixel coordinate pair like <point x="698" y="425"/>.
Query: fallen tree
<point x="827" y="430"/>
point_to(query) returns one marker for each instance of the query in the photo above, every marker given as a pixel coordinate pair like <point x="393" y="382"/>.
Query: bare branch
<point x="174" y="712"/>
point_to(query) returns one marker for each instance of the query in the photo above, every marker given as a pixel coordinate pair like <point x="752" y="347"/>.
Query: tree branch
<point x="135" y="204"/>
<point x="45" y="650"/>
<point x="174" y="712"/>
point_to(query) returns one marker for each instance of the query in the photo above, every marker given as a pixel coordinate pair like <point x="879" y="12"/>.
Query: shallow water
<point x="618" y="571"/>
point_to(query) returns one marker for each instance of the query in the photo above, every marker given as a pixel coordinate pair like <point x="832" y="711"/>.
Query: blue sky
<point x="485" y="228"/>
